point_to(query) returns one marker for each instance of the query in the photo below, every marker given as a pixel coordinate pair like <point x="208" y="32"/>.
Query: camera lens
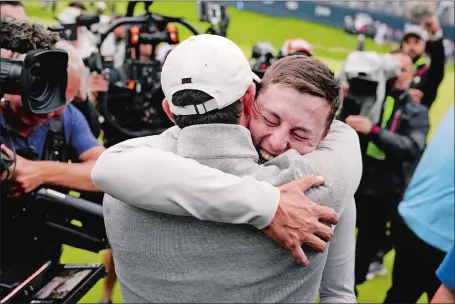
<point x="37" y="80"/>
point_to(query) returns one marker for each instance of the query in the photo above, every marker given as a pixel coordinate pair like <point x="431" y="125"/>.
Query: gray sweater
<point x="164" y="258"/>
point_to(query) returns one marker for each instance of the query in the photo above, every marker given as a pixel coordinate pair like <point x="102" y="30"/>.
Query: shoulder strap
<point x="55" y="148"/>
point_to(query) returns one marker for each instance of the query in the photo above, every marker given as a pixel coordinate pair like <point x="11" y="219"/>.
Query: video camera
<point x="52" y="217"/>
<point x="262" y="58"/>
<point x="68" y="31"/>
<point x="368" y="74"/>
<point x="40" y="79"/>
<point x="67" y="220"/>
<point x="141" y="115"/>
<point x="215" y="14"/>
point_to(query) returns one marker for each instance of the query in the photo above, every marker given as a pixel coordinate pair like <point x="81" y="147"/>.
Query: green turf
<point x="247" y="28"/>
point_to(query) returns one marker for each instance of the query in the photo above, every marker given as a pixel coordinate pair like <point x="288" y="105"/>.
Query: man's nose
<point x="279" y="141"/>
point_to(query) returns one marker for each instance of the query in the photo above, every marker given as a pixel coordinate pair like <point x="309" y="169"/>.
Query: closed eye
<point x="298" y="137"/>
<point x="270" y="123"/>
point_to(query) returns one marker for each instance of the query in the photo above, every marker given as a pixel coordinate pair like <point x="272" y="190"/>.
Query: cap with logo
<point x="209" y="63"/>
<point x="415" y="30"/>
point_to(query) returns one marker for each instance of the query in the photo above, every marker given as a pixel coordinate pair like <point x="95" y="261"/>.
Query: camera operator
<point x="85" y="43"/>
<point x="398" y="138"/>
<point x="121" y="77"/>
<point x="82" y="100"/>
<point x="114" y="45"/>
<point x="428" y="72"/>
<point x="24" y="138"/>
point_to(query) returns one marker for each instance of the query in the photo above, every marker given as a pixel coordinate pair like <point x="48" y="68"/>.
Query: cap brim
<point x="256" y="78"/>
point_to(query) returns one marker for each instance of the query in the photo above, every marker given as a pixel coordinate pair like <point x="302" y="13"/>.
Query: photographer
<point x="82" y="100"/>
<point x="114" y="45"/>
<point x="398" y="138"/>
<point x="121" y="93"/>
<point x="428" y="72"/>
<point x="85" y="43"/>
<point x="24" y="138"/>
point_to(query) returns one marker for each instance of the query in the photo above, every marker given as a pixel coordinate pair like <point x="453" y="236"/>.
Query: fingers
<point x="10" y="55"/>
<point x="327" y="214"/>
<point x="309" y="181"/>
<point x="6" y="53"/>
<point x="299" y="256"/>
<point x="316" y="243"/>
<point x="324" y="232"/>
<point x="7" y="152"/>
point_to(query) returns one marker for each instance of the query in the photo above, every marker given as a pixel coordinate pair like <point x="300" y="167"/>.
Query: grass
<point x="246" y="28"/>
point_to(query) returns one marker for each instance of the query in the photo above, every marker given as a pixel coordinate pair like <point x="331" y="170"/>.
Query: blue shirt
<point x="77" y="134"/>
<point x="428" y="203"/>
<point x="446" y="271"/>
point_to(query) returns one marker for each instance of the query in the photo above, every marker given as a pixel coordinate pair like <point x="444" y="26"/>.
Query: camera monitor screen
<point x="62" y="284"/>
<point x="56" y="284"/>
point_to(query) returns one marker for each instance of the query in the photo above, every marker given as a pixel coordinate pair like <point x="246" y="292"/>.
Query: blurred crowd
<point x="445" y="9"/>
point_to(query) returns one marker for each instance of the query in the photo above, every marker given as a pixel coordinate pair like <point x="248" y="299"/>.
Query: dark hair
<point x="22" y="36"/>
<point x="78" y="5"/>
<point x="12" y="3"/>
<point x="306" y="75"/>
<point x="228" y="115"/>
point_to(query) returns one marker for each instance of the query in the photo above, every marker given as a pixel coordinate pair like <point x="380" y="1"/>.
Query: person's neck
<point x="12" y="119"/>
<point x="144" y="58"/>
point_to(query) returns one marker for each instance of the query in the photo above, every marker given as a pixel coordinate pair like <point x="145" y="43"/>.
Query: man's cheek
<point x="257" y="130"/>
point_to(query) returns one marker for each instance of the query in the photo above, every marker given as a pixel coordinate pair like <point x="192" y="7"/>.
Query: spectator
<point x="425" y="225"/>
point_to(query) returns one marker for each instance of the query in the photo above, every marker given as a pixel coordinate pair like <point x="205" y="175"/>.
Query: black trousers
<point x="373" y="213"/>
<point x="414" y="268"/>
<point x="132" y="5"/>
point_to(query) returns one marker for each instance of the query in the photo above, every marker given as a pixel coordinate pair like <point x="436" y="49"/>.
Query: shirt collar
<point x="216" y="141"/>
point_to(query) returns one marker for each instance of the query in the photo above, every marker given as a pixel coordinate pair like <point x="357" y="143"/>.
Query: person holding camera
<point x="428" y="71"/>
<point x="26" y="140"/>
<point x="398" y="138"/>
<point x="82" y="97"/>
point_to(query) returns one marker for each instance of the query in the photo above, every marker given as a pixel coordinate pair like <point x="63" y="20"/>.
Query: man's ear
<point x="167" y="110"/>
<point x="248" y="99"/>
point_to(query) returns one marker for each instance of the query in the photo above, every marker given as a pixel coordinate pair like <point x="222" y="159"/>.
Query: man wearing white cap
<point x="210" y="93"/>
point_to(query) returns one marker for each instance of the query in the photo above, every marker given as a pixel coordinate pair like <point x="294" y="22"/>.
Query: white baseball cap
<point x="415" y="30"/>
<point x="209" y="63"/>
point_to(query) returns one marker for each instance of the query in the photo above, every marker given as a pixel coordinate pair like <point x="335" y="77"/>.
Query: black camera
<point x="68" y="31"/>
<point x="132" y="106"/>
<point x="67" y="220"/>
<point x="40" y="79"/>
<point x="262" y="57"/>
<point x="216" y="15"/>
